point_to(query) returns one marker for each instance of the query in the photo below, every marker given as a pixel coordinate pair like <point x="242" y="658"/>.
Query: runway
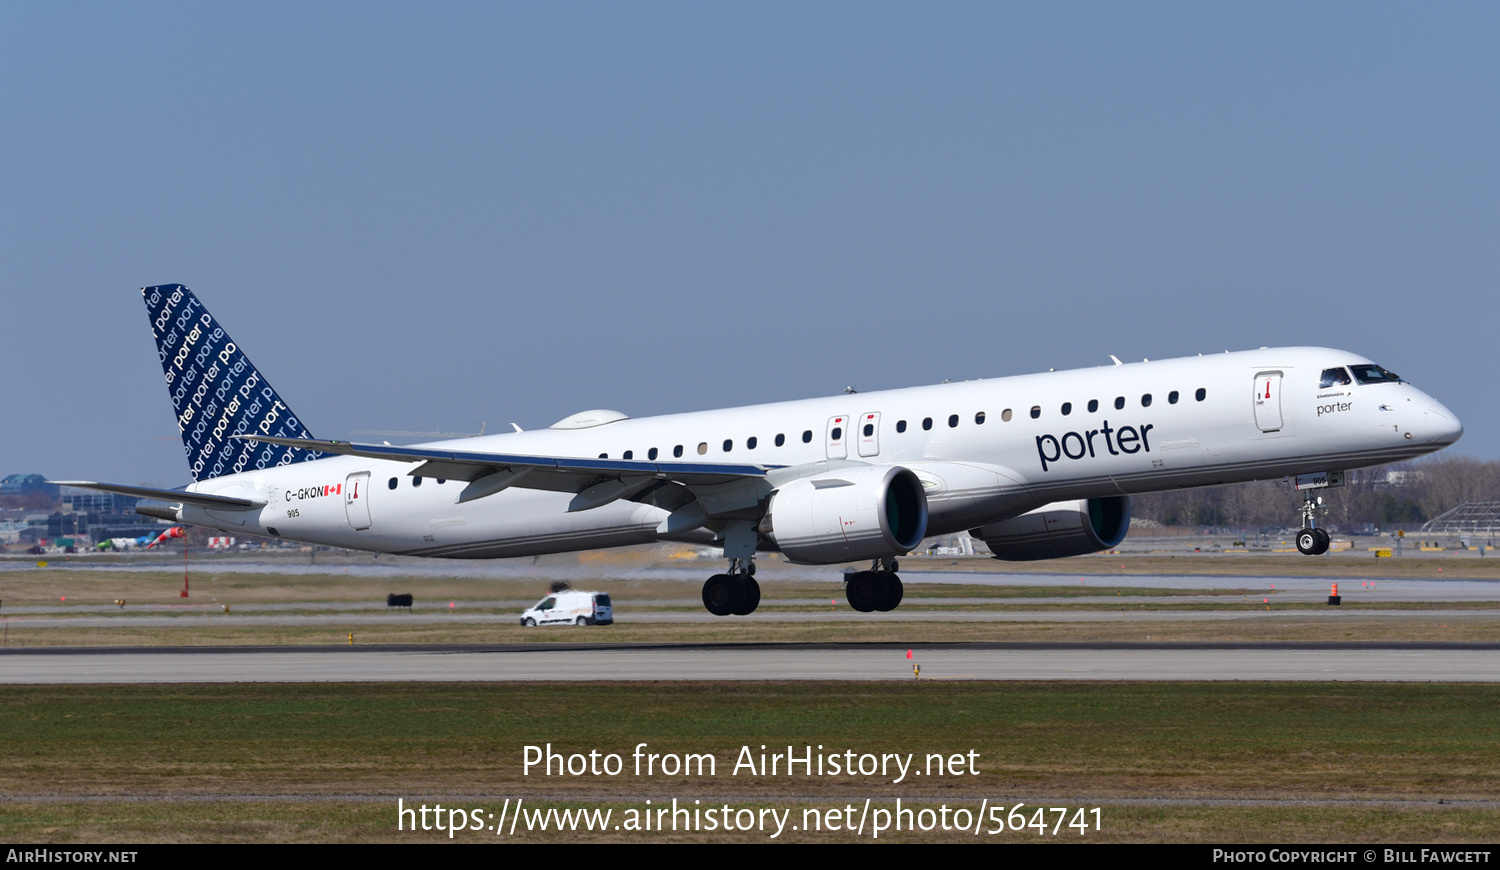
<point x="358" y="621"/>
<point x="1413" y="662"/>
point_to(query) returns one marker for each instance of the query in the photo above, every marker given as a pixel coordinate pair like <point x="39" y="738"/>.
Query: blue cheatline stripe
<point x="216" y="391"/>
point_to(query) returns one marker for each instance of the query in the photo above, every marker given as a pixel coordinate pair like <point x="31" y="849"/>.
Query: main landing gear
<point x="876" y="589"/>
<point x="1312" y="541"/>
<point x="733" y="593"/>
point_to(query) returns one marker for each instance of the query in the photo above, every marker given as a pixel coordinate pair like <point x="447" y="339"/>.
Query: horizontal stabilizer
<point x="177" y="496"/>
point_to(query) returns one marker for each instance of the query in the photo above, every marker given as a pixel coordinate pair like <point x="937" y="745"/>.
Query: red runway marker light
<point x="908" y="653"/>
<point x="450" y="605"/>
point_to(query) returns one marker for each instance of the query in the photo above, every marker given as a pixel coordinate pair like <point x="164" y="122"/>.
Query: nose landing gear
<point x="1312" y="541"/>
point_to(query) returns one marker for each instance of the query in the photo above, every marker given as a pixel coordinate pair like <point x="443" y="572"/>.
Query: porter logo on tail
<point x="216" y="391"/>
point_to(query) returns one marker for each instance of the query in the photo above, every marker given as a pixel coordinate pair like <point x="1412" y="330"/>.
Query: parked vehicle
<point x="571" y="607"/>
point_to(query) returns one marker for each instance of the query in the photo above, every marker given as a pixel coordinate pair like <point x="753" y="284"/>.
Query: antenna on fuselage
<point x="1116" y="359"/>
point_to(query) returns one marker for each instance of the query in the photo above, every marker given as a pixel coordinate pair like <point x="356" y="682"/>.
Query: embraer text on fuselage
<point x="1077" y="445"/>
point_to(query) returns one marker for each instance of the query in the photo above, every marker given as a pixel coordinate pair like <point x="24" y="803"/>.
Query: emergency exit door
<point x="868" y="434"/>
<point x="838" y="437"/>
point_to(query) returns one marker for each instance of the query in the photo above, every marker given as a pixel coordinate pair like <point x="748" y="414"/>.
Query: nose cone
<point x="1442" y="425"/>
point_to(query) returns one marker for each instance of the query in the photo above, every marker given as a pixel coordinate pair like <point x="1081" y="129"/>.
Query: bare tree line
<point x="1386" y="497"/>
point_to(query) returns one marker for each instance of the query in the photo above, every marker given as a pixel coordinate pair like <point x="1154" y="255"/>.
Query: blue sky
<point x="420" y="217"/>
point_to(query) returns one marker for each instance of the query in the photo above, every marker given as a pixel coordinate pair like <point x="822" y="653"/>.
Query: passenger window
<point x="677" y="451"/>
<point x="1172" y="398"/>
<point x="1201" y="394"/>
<point x="392" y="484"/>
<point x="780" y="439"/>
<point x="416" y="481"/>
<point x="1333" y="378"/>
<point x="629" y="454"/>
<point x="441" y="481"/>
<point x="952" y="421"/>
<point x="604" y="456"/>
<point x="728" y="444"/>
<point x="651" y="454"/>
<point x="1067" y="408"/>
<point x="1146" y="401"/>
<point x="1036" y="412"/>
<point x="1093" y="405"/>
<point x="900" y="425"/>
<point x="751" y="442"/>
<point x="837" y="433"/>
<point x="869" y="429"/>
<point x="702" y="448"/>
<point x="1005" y="416"/>
<point x="979" y="419"/>
<point x="807" y="436"/>
<point x="1119" y="403"/>
<point x="926" y="423"/>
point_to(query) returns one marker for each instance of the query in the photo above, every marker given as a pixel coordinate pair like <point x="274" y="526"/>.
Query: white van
<point x="570" y="607"/>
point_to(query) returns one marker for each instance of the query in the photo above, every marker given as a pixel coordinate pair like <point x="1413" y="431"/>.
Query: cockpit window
<point x="1334" y="378"/>
<point x="1374" y="375"/>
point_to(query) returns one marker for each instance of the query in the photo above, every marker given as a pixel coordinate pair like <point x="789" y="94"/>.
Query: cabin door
<point x="1268" y="401"/>
<point x="356" y="499"/>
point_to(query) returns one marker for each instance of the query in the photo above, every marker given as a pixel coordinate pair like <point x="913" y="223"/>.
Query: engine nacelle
<point x="1064" y="528"/>
<point x="864" y="512"/>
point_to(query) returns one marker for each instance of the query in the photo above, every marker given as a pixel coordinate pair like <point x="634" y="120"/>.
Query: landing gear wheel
<point x="1307" y="542"/>
<point x="863" y="591"/>
<point x="722" y="594"/>
<point x="891" y="593"/>
<point x="1323" y="541"/>
<point x="750" y="599"/>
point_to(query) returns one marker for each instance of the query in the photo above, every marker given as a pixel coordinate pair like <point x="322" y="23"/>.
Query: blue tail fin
<point x="216" y="391"/>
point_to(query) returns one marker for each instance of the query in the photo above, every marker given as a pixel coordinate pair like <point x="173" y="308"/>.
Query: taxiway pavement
<point x="1274" y="662"/>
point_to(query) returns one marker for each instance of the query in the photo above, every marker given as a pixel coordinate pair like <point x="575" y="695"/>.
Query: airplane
<point x="1037" y="466"/>
<point x="144" y="542"/>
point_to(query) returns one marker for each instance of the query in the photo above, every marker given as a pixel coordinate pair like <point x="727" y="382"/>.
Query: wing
<point x="595" y="482"/>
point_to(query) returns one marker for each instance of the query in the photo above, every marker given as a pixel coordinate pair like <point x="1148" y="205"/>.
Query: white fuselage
<point x="1261" y="415"/>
